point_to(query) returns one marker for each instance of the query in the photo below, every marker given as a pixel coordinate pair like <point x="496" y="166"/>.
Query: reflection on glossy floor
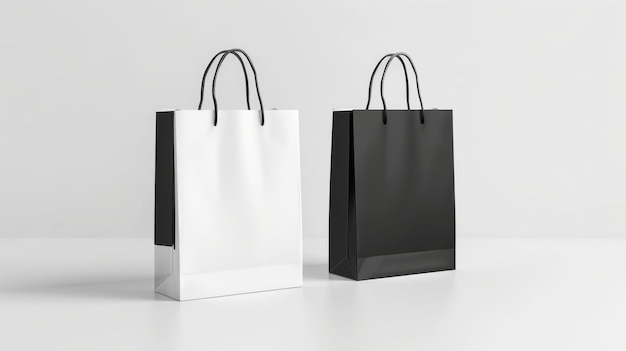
<point x="507" y="294"/>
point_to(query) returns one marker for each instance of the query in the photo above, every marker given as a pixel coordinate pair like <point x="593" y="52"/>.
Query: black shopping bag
<point x="391" y="190"/>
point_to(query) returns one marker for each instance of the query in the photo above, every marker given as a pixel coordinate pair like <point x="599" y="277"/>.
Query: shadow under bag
<point x="391" y="189"/>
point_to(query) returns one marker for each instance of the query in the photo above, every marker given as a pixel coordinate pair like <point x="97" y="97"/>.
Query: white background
<point x="536" y="88"/>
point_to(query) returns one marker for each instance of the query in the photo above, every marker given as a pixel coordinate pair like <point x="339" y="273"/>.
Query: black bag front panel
<point x="404" y="182"/>
<point x="400" y="192"/>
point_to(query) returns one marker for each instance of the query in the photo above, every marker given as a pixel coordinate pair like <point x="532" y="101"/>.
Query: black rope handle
<point x="382" y="80"/>
<point x="208" y="67"/>
<point x="406" y="79"/>
<point x="256" y="83"/>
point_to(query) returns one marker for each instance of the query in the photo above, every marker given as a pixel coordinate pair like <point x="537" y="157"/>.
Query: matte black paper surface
<point x="392" y="193"/>
<point x="164" y="205"/>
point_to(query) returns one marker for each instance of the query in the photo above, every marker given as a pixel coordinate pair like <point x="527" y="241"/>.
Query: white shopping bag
<point x="227" y="202"/>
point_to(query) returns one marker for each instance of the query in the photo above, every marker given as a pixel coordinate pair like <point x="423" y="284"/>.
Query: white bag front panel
<point x="238" y="214"/>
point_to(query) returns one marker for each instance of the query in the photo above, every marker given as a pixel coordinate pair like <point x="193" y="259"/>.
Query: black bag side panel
<point x="404" y="185"/>
<point x="164" y="203"/>
<point x="352" y="223"/>
<point x="342" y="255"/>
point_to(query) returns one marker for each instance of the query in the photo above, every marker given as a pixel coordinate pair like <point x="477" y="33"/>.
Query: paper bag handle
<point x="208" y="67"/>
<point x="219" y="64"/>
<point x="406" y="79"/>
<point x="382" y="81"/>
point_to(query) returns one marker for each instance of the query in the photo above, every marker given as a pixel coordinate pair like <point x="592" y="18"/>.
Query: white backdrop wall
<point x="536" y="87"/>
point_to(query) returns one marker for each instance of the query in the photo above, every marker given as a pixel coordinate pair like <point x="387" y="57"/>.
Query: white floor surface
<point x="506" y="294"/>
